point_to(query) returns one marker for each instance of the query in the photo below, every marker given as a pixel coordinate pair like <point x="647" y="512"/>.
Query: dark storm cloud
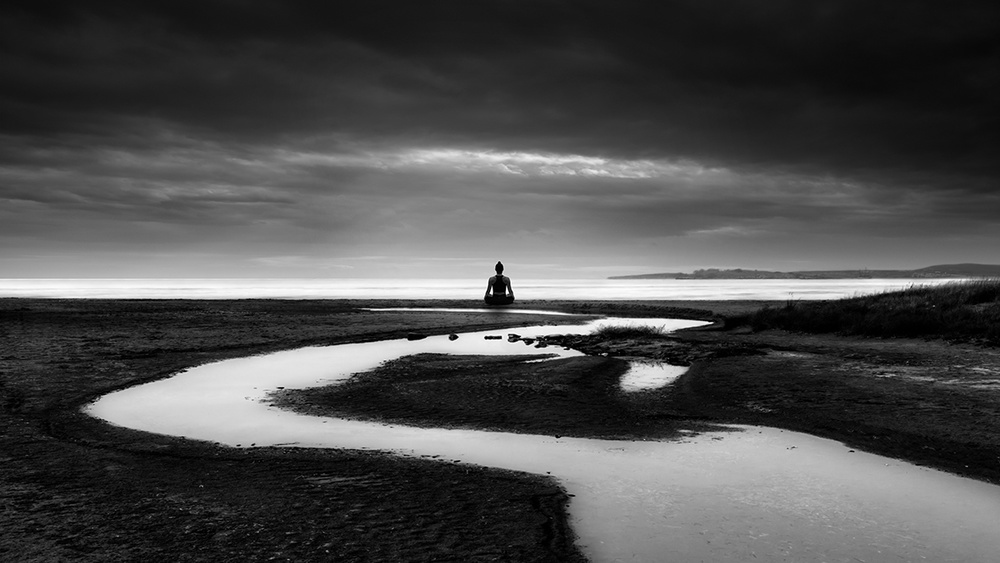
<point x="852" y="87"/>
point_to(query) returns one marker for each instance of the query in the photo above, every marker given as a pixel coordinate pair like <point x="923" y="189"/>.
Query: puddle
<point x="495" y="310"/>
<point x="646" y="376"/>
<point x="730" y="496"/>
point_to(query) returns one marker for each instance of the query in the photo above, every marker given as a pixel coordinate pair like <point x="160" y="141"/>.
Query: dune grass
<point x="611" y="332"/>
<point x="966" y="311"/>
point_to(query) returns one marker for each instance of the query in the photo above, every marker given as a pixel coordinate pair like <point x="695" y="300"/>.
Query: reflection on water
<point x="754" y="493"/>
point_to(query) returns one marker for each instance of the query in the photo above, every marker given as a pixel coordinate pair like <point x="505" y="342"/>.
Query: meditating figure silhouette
<point x="499" y="286"/>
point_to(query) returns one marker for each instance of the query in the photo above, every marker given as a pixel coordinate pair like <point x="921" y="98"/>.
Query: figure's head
<point x="499" y="267"/>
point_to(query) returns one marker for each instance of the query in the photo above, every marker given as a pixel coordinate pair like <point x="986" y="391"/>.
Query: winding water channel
<point x="750" y="493"/>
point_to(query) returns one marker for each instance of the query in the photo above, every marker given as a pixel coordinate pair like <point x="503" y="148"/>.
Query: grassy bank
<point x="967" y="311"/>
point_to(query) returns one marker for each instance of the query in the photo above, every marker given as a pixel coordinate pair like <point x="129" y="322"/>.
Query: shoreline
<point x="80" y="486"/>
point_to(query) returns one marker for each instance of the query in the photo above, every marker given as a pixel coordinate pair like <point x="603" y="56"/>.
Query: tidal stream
<point x="749" y="493"/>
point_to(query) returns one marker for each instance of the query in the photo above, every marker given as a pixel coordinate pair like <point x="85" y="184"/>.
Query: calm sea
<point x="575" y="289"/>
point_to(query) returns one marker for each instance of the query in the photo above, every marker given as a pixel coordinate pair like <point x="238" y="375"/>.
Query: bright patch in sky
<point x="516" y="163"/>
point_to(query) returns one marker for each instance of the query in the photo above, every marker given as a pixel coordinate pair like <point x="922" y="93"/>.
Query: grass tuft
<point x="966" y="311"/>
<point x="629" y="331"/>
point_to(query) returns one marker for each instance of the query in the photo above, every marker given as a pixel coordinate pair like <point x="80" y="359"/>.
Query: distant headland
<point x="938" y="271"/>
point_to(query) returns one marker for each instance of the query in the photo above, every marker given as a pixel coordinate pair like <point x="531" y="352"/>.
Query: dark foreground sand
<point x="75" y="489"/>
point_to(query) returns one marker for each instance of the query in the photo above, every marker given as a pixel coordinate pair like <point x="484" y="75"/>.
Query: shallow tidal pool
<point x="744" y="494"/>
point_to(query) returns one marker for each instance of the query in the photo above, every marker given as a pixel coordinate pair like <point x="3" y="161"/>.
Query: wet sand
<point x="81" y="490"/>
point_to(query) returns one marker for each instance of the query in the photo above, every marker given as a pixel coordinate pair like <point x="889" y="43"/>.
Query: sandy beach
<point x="77" y="489"/>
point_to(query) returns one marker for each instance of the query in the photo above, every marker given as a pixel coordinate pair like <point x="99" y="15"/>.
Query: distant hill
<point x="963" y="270"/>
<point x="939" y="271"/>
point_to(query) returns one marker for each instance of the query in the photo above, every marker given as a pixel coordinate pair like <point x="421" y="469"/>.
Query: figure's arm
<point x="510" y="288"/>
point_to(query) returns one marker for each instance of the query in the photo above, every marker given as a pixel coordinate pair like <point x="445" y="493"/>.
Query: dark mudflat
<point x="76" y="489"/>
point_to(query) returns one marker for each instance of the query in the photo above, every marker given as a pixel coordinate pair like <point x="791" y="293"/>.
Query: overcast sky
<point x="568" y="139"/>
